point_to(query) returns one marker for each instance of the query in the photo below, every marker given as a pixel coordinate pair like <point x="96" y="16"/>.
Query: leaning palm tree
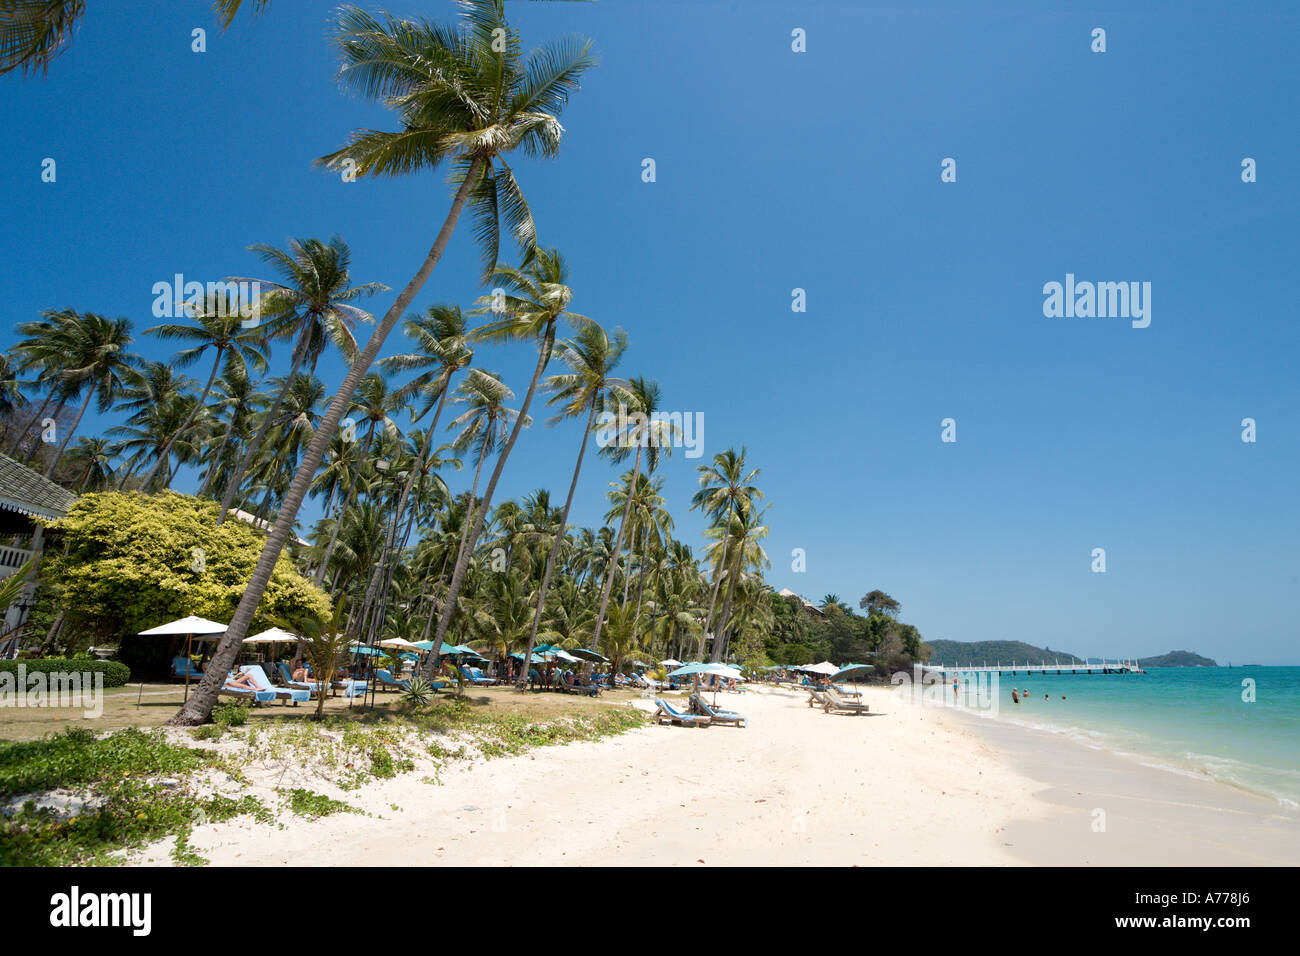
<point x="442" y="349"/>
<point x="535" y="298"/>
<point x="726" y="488"/>
<point x="97" y="363"/>
<point x="223" y="332"/>
<point x="637" y="427"/>
<point x="591" y="355"/>
<point x="313" y="307"/>
<point x="463" y="94"/>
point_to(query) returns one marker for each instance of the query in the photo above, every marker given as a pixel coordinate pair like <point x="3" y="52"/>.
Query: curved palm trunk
<point x="199" y="707"/>
<point x="555" y="549"/>
<point x="723" y="618"/>
<point x="49" y="469"/>
<point x="613" y="557"/>
<point x="462" y="561"/>
<point x="237" y="476"/>
<point x="16" y="444"/>
<point x="349" y="498"/>
<point x="412" y="476"/>
<point x="31" y="453"/>
<point x="713" y="601"/>
<point x="627" y="574"/>
<point x="165" y="454"/>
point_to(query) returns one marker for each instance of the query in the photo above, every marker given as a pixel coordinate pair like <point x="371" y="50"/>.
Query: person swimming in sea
<point x="1014" y="698"/>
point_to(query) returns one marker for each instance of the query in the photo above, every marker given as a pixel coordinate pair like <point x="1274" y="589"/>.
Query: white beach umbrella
<point x="273" y="635"/>
<point x="671" y="663"/>
<point x="191" y="627"/>
<point x="825" y="667"/>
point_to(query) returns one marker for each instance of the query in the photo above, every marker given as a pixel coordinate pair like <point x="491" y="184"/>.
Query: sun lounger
<point x="243" y="693"/>
<point x="385" y="678"/>
<point x="286" y="676"/>
<point x="295" y="694"/>
<point x="183" y="666"/>
<point x="816" y="696"/>
<point x="716" y="716"/>
<point x="666" y="712"/>
<point x="837" y="701"/>
<point x="475" y="676"/>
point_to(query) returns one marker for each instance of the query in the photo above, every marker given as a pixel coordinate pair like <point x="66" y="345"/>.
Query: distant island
<point x="975" y="653"/>
<point x="1177" y="659"/>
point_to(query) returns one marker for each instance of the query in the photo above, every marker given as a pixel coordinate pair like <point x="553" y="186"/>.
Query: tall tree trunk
<point x="555" y="548"/>
<point x="458" y="575"/>
<point x="90" y="393"/>
<point x="237" y="476"/>
<point x="199" y="707"/>
<point x="713" y="598"/>
<point x="215" y="466"/>
<point x="31" y="452"/>
<point x="189" y="420"/>
<point x="412" y="475"/>
<point x="613" y="558"/>
<point x="349" y="498"/>
<point x="724" y="617"/>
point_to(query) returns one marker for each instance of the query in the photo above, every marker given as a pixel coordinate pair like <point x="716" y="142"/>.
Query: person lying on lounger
<point x="241" y="681"/>
<point x="300" y="673"/>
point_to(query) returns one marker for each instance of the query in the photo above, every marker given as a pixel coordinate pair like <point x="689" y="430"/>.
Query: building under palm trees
<point x="24" y="497"/>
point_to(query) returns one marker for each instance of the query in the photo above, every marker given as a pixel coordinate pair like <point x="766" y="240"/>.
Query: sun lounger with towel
<point x="295" y="694"/>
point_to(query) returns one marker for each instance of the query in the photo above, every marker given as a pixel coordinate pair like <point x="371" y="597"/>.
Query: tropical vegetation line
<point x="396" y="551"/>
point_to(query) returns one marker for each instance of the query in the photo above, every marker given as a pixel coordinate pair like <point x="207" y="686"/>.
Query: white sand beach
<point x="902" y="786"/>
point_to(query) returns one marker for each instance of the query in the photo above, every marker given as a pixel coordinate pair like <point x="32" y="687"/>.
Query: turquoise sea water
<point x="1189" y="719"/>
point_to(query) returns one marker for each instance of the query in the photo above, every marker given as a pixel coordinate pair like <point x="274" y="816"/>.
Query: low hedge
<point x="116" y="674"/>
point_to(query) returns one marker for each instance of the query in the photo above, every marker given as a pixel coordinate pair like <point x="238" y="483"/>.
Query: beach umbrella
<point x="583" y="654"/>
<point x="191" y="627"/>
<point x="273" y="636"/>
<point x="825" y="667"/>
<point x="671" y="663"/>
<point x="851" y="671"/>
<point x="396" y="643"/>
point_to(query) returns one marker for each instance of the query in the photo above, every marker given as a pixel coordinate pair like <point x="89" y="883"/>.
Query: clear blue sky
<point x="821" y="171"/>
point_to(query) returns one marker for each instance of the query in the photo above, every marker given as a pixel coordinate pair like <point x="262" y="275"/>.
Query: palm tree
<point x="641" y="430"/>
<point x="461" y="95"/>
<point x="98" y="454"/>
<point x="312" y="306"/>
<point x="34" y="32"/>
<point x="725" y="488"/>
<point x="442" y="350"/>
<point x="591" y="356"/>
<point x="226" y="335"/>
<point x="97" y="363"/>
<point x="44" y="351"/>
<point x="536" y="298"/>
<point x="237" y="399"/>
<point x="739" y="536"/>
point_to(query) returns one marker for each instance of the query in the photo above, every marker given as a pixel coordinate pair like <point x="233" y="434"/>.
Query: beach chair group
<point x="700" y="715"/>
<point x="265" y="691"/>
<point x="832" y="699"/>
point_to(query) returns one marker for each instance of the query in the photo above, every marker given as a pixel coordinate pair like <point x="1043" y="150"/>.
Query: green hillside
<point x="963" y="653"/>
<point x="1177" y="659"/>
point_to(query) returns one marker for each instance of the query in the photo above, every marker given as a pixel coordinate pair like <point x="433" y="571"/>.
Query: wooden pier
<point x="1014" y="669"/>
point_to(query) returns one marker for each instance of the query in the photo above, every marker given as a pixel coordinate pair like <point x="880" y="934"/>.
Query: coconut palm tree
<point x="535" y="298"/>
<point x="44" y="350"/>
<point x="739" y="537"/>
<point x="237" y="399"/>
<point x="442" y="349"/>
<point x="98" y="455"/>
<point x="465" y="95"/>
<point x="726" y="487"/>
<point x="635" y="426"/>
<point x="97" y="363"/>
<point x="229" y="340"/>
<point x="591" y="356"/>
<point x="313" y="307"/>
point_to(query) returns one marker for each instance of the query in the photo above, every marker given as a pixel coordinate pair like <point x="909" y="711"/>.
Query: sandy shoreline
<point x="904" y="786"/>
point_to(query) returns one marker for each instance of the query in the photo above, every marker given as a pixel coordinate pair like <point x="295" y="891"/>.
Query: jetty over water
<point x="1043" y="667"/>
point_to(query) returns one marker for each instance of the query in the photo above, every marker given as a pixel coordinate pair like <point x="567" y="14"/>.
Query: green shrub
<point x="230" y="713"/>
<point x="116" y="674"/>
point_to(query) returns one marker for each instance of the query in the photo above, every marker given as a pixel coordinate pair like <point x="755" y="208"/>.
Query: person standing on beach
<point x="1014" y="698"/>
<point x="954" y="689"/>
